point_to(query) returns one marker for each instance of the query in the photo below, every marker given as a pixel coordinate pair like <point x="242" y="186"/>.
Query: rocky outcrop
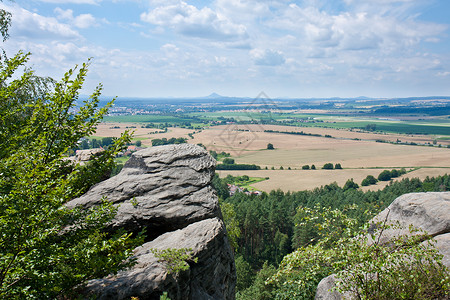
<point x="429" y="212"/>
<point x="83" y="156"/>
<point x="167" y="190"/>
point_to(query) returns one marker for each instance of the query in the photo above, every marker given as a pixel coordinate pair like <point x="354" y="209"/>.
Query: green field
<point x="148" y="119"/>
<point x="404" y="127"/>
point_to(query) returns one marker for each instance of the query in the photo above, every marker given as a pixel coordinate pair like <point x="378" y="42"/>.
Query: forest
<point x="264" y="228"/>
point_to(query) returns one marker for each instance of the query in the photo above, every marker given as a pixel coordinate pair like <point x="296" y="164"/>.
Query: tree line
<point x="267" y="229"/>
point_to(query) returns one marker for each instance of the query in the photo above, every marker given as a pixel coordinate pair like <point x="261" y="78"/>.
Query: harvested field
<point x="299" y="180"/>
<point x="297" y="150"/>
<point x="247" y="144"/>
<point x="223" y="136"/>
<point x="146" y="134"/>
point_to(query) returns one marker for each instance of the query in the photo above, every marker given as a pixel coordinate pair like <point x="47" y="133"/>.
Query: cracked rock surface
<point x="167" y="190"/>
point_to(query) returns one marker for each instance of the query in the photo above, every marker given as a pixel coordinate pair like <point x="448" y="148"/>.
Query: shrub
<point x="237" y="167"/>
<point x="395" y="173"/>
<point x="305" y="167"/>
<point x="369" y="180"/>
<point x="175" y="260"/>
<point x="328" y="166"/>
<point x="385" y="176"/>
<point x="338" y="166"/>
<point x="350" y="184"/>
<point x="228" y="161"/>
<point x="270" y="146"/>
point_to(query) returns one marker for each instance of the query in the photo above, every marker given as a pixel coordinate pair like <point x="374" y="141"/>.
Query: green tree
<point x="369" y="180"/>
<point x="40" y="257"/>
<point x="337" y="166"/>
<point x="270" y="146"/>
<point x="228" y="161"/>
<point x="175" y="260"/>
<point x="305" y="167"/>
<point x="244" y="274"/>
<point x="313" y="167"/>
<point x="107" y="141"/>
<point x="259" y="290"/>
<point x="328" y="166"/>
<point x="350" y="184"/>
<point x="385" y="176"/>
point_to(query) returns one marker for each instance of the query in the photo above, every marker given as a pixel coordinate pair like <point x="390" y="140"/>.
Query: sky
<point x="182" y="48"/>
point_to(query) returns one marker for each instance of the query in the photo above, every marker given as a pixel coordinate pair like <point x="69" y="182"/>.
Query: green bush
<point x="350" y="184"/>
<point x="385" y="176"/>
<point x="228" y="161"/>
<point x="369" y="180"/>
<point x="328" y="166"/>
<point x="305" y="167"/>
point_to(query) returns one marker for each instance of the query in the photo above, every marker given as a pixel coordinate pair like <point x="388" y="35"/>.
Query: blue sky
<point x="175" y="48"/>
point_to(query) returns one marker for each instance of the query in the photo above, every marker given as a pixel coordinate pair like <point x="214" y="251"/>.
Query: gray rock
<point x="167" y="190"/>
<point x="427" y="211"/>
<point x="325" y="289"/>
<point x="443" y="244"/>
<point x="212" y="277"/>
<point x="161" y="188"/>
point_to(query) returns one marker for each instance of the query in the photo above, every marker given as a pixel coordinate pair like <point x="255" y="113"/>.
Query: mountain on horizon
<point x="214" y="95"/>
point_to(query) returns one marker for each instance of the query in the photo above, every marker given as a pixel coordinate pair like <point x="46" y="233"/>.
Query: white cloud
<point x="190" y="21"/>
<point x="353" y="30"/>
<point x="72" y="1"/>
<point x="267" y="57"/>
<point x="30" y="25"/>
<point x="81" y="21"/>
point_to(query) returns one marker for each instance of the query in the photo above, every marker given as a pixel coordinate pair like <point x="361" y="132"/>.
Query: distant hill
<point x="214" y="96"/>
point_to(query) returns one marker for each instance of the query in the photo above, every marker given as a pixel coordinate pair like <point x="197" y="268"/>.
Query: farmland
<point x="355" y="137"/>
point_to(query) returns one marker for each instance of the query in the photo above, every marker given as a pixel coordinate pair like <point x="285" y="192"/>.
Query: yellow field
<point x="299" y="180"/>
<point x="248" y="143"/>
<point x="147" y="134"/>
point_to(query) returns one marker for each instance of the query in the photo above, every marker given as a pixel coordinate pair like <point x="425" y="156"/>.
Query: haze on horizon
<point x="295" y="49"/>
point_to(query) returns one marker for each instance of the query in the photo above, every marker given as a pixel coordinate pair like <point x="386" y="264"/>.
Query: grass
<point x="122" y="159"/>
<point x="247" y="184"/>
<point x="391" y="127"/>
<point x="147" y="119"/>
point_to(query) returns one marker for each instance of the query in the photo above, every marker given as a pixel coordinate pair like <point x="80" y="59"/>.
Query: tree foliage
<point x="175" y="260"/>
<point x="369" y="180"/>
<point x="404" y="268"/>
<point x="328" y="166"/>
<point x="45" y="248"/>
<point x="165" y="141"/>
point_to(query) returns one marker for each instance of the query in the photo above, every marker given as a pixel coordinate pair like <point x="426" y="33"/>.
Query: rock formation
<point x="167" y="190"/>
<point x="83" y="156"/>
<point x="427" y="211"/>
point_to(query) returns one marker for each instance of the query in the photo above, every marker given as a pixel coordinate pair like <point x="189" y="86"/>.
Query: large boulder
<point x="161" y="189"/>
<point x="429" y="212"/>
<point x="167" y="190"/>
